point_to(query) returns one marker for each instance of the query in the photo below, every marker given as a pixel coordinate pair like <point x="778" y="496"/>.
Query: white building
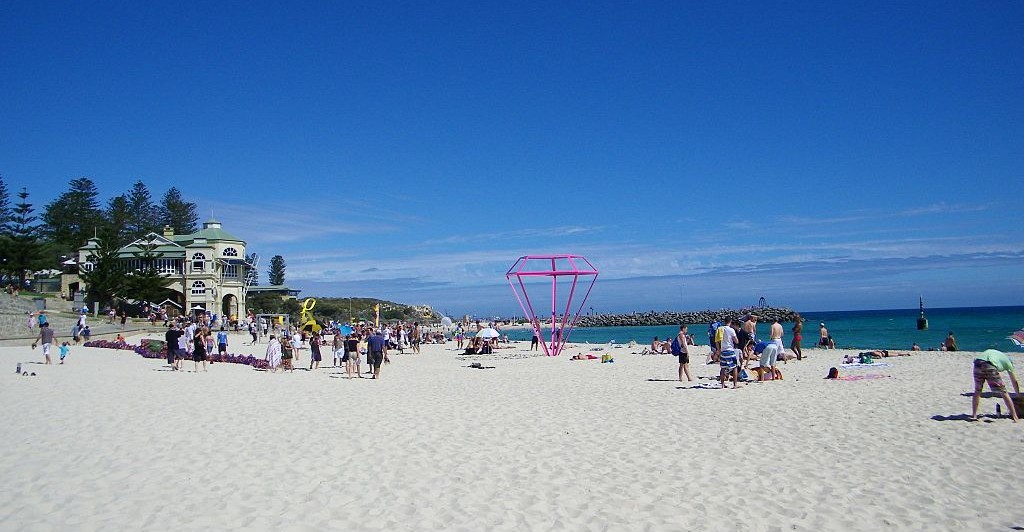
<point x="206" y="270"/>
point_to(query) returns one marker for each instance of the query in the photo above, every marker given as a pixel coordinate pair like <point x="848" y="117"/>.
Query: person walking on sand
<point x="715" y="341"/>
<point x="64" y="351"/>
<point x="199" y="349"/>
<point x="171" y="338"/>
<point x="273" y="354"/>
<point x="378" y="352"/>
<point x="534" y="340"/>
<point x="222" y="343"/>
<point x="798" y="336"/>
<point x="416" y="337"/>
<point x="680" y="349"/>
<point x="46" y="337"/>
<point x="987" y="366"/>
<point x="253" y="331"/>
<point x="288" y="356"/>
<point x="775" y="335"/>
<point x="951" y="342"/>
<point x="179" y="354"/>
<point x="823" y="336"/>
<point x="352" y="352"/>
<point x="314" y="351"/>
<point x="338" y="347"/>
<point x="728" y="360"/>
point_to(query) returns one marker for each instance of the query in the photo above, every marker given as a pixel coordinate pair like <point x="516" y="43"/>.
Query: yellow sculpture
<point x="306" y="317"/>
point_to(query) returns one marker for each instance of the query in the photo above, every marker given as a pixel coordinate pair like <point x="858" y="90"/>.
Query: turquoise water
<point x="975" y="328"/>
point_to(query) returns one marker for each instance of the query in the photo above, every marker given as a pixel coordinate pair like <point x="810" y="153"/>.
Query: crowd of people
<point x="735" y="346"/>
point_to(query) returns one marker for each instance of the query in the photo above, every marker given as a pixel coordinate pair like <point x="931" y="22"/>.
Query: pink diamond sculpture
<point x="567" y="268"/>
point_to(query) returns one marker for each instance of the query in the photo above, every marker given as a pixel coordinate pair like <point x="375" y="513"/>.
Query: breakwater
<point x="678" y="318"/>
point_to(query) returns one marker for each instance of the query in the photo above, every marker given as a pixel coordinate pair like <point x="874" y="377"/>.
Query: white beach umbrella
<point x="446" y="322"/>
<point x="488" y="333"/>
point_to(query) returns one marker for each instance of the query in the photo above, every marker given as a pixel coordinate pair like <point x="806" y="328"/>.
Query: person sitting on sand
<point x="915" y="347"/>
<point x="823" y="336"/>
<point x="987" y="366"/>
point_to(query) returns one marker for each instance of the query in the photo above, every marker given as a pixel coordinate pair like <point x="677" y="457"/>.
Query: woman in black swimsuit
<point x="199" y="348"/>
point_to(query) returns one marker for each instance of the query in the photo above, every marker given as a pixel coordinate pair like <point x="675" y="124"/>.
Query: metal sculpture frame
<point x="576" y="269"/>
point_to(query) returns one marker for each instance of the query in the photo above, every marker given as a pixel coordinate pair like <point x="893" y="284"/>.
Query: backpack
<point x="676" y="348"/>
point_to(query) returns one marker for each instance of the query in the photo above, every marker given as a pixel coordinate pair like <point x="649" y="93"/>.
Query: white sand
<point x="113" y="441"/>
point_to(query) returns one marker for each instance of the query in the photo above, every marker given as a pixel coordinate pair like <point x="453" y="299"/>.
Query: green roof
<point x="158" y="250"/>
<point x="214" y="233"/>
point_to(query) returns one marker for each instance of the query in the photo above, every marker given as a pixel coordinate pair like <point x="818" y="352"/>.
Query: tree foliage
<point x="181" y="215"/>
<point x="105" y="279"/>
<point x="118" y="217"/>
<point x="5" y="206"/>
<point x="144" y="215"/>
<point x="276" y="270"/>
<point x="146" y="283"/>
<point x="22" y="248"/>
<point x="74" y="216"/>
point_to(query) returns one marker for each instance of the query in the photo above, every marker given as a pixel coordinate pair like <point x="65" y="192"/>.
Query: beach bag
<point x="833" y="373"/>
<point x="866" y="358"/>
<point x="676" y="348"/>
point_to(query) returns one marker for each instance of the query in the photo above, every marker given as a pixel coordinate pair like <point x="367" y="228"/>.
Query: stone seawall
<point x="678" y="318"/>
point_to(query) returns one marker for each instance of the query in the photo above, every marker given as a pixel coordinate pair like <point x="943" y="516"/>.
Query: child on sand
<point x="64" y="350"/>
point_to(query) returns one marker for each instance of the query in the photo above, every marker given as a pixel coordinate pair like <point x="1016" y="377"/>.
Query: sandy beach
<point x="115" y="441"/>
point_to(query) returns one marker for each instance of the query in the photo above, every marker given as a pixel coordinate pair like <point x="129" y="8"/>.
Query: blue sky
<point x="825" y="157"/>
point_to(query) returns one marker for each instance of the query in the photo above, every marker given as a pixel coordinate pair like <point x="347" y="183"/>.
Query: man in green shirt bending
<point x="987" y="366"/>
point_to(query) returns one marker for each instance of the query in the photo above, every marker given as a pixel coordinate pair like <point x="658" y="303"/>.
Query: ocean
<point x="975" y="329"/>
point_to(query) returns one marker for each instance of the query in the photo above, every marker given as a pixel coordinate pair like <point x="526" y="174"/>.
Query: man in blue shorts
<point x="728" y="359"/>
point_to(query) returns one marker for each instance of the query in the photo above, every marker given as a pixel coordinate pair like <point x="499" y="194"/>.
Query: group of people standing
<point x="347" y="350"/>
<point x="733" y="347"/>
<point x="193" y="340"/>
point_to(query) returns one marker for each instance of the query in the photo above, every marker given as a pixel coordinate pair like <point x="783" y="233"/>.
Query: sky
<point x="831" y="156"/>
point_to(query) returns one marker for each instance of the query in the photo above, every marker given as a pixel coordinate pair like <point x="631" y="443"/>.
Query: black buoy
<point x="922" y="322"/>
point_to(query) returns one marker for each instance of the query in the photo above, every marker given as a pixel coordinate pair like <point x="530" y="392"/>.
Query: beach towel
<point x="869" y="376"/>
<point x="707" y="386"/>
<point x="871" y="365"/>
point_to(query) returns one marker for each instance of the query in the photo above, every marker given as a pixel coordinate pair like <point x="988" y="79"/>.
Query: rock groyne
<point x="678" y="318"/>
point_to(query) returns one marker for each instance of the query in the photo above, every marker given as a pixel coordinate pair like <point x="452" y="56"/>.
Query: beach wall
<point x="679" y="318"/>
